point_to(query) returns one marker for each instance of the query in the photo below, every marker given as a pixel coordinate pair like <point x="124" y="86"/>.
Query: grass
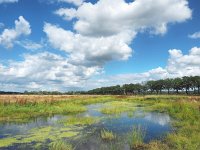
<point x="187" y="136"/>
<point x="60" y="145"/>
<point x="80" y="121"/>
<point x="22" y="108"/>
<point x="93" y="99"/>
<point x="136" y="137"/>
<point x="107" y="135"/>
<point x="117" y="107"/>
<point x="186" y="116"/>
<point x="15" y="111"/>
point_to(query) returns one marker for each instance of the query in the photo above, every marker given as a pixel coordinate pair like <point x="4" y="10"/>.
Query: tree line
<point x="186" y="84"/>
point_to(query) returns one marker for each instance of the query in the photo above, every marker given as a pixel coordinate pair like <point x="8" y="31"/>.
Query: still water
<point x="39" y="132"/>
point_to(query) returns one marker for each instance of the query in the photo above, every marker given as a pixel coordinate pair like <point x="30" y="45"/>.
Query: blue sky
<point x="80" y="45"/>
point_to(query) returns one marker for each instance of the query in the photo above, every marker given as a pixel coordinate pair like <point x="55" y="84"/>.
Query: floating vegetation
<point x="41" y="135"/>
<point x="5" y="142"/>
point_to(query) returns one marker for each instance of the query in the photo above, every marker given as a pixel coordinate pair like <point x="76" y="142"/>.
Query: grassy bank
<point x="17" y="112"/>
<point x="185" y="112"/>
<point x="22" y="107"/>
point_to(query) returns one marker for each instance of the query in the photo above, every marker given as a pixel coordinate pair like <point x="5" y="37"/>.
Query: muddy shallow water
<point x="38" y="133"/>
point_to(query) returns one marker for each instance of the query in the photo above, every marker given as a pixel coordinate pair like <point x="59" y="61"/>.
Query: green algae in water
<point x="5" y="142"/>
<point x="41" y="135"/>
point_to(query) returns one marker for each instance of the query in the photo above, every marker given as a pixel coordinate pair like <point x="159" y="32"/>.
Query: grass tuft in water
<point x="80" y="121"/>
<point x="60" y="145"/>
<point x="136" y="137"/>
<point x="107" y="135"/>
<point x="117" y="107"/>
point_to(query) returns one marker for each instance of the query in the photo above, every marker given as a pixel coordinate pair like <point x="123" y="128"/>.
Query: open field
<point x="143" y="122"/>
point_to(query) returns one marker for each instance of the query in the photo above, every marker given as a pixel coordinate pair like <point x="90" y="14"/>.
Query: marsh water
<point x="39" y="132"/>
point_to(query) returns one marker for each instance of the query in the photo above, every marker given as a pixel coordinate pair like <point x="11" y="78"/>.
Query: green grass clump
<point x="117" y="107"/>
<point x="60" y="145"/>
<point x="156" y="145"/>
<point x="136" y="137"/>
<point x="80" y="121"/>
<point x="107" y="135"/>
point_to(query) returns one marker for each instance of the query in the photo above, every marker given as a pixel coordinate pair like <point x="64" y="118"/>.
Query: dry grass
<point x="23" y="99"/>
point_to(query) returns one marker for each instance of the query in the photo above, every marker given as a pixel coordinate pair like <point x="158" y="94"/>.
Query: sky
<point x="65" y="45"/>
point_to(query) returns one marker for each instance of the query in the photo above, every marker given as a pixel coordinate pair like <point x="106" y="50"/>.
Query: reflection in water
<point x="156" y="125"/>
<point x="158" y="118"/>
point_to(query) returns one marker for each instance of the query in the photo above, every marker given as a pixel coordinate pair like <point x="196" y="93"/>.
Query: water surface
<point x="42" y="130"/>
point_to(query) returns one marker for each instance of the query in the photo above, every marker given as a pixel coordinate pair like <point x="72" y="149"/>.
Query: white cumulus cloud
<point x="103" y="32"/>
<point x="105" y="29"/>
<point x="195" y="35"/>
<point x="45" y="70"/>
<point x="48" y="71"/>
<point x="108" y="17"/>
<point x="178" y="65"/>
<point x="66" y="13"/>
<point x="90" y="50"/>
<point x="184" y="65"/>
<point x="30" y="45"/>
<point x="9" y="36"/>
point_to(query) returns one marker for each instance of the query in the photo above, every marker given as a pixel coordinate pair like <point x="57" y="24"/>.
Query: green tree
<point x="186" y="83"/>
<point x="168" y="84"/>
<point x="177" y="84"/>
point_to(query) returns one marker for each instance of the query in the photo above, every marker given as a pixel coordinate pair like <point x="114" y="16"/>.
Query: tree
<point x="151" y="85"/>
<point x="196" y="83"/>
<point x="186" y="83"/>
<point x="177" y="84"/>
<point x="159" y="85"/>
<point x="168" y="84"/>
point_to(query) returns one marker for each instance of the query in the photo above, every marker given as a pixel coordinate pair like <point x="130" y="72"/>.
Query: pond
<point x="83" y="131"/>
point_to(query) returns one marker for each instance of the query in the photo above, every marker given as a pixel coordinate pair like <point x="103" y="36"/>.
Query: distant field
<point x="49" y="98"/>
<point x="40" y="98"/>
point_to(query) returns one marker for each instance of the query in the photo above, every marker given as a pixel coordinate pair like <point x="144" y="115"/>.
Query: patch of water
<point x="155" y="124"/>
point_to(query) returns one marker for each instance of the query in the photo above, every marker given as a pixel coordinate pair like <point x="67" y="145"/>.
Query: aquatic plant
<point x="136" y="136"/>
<point x="41" y="135"/>
<point x="79" y="120"/>
<point x="117" y="107"/>
<point x="60" y="145"/>
<point x="107" y="135"/>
